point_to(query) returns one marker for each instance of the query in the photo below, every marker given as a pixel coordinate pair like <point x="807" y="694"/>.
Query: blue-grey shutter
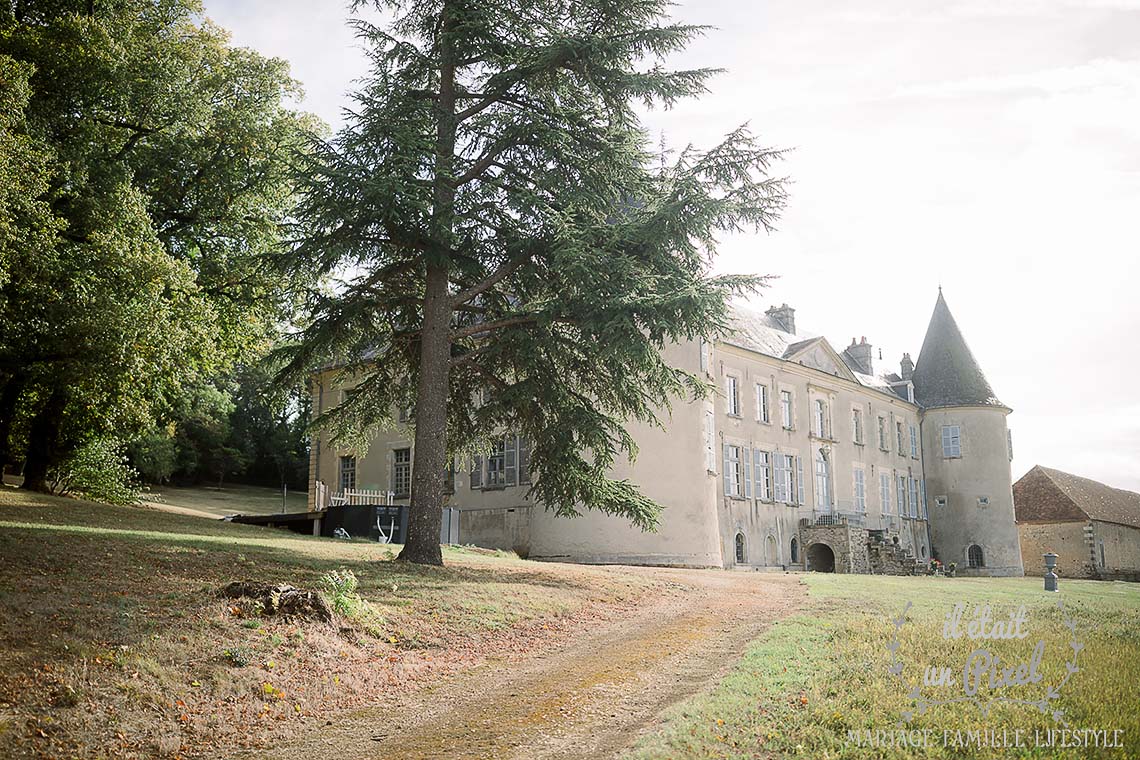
<point x="727" y="474"/>
<point x="510" y="460"/>
<point x="746" y="455"/>
<point x="477" y="472"/>
<point x="799" y="480"/>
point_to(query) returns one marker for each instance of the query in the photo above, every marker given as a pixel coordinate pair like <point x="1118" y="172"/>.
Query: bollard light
<point x="1050" y="576"/>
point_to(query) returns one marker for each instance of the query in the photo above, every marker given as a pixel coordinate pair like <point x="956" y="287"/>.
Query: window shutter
<point x="799" y="480"/>
<point x="746" y="455"/>
<point x="510" y="460"/>
<point x="524" y="460"/>
<point x="727" y="472"/>
<point x="477" y="472"/>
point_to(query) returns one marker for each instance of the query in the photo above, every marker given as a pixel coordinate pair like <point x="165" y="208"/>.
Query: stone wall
<point x="849" y="549"/>
<point x="1067" y="540"/>
<point x="507" y="529"/>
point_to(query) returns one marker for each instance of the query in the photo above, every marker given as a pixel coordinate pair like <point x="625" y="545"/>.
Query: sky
<point x="988" y="146"/>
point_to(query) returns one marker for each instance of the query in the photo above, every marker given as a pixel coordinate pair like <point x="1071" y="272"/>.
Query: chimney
<point x="907" y="367"/>
<point x="860" y="353"/>
<point x="784" y="316"/>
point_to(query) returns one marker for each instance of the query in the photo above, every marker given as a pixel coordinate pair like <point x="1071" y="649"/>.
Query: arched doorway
<point x="741" y="554"/>
<point x="771" y="551"/>
<point x="821" y="558"/>
<point x="795" y="551"/>
<point x="975" y="557"/>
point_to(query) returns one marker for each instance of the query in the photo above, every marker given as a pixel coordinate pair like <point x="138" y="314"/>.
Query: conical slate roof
<point x="947" y="373"/>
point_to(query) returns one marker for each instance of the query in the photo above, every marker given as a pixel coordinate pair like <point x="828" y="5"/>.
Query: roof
<point x="758" y="332"/>
<point x="1095" y="500"/>
<point x="947" y="374"/>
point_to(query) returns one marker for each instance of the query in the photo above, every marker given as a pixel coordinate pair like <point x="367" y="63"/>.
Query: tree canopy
<point x="513" y="254"/>
<point x="151" y="164"/>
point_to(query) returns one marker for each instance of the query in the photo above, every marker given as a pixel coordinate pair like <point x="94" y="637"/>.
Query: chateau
<point x="807" y="458"/>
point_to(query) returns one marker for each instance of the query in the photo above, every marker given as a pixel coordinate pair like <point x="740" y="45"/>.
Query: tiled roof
<point x="947" y="373"/>
<point x="760" y="333"/>
<point x="1096" y="500"/>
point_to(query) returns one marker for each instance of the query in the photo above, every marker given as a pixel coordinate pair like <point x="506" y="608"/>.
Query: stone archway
<point x="820" y="558"/>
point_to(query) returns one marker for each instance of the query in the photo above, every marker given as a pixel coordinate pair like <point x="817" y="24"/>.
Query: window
<point x="913" y="497"/>
<point x="402" y="471"/>
<point x="900" y="493"/>
<point x="762" y="403"/>
<point x="404" y="413"/>
<point x="732" y="389"/>
<point x="786" y="478"/>
<point x="477" y="472"/>
<point x="857" y="425"/>
<point x="710" y="436"/>
<point x="347" y="474"/>
<point x="502" y="464"/>
<point x="883" y="434"/>
<point x="822" y="482"/>
<point x="885" y="493"/>
<point x="449" y="481"/>
<point x="821" y="426"/>
<point x="913" y="442"/>
<point x="951" y="441"/>
<point x="741" y="555"/>
<point x="704" y="348"/>
<point x="1009" y="443"/>
<point x="974" y="556"/>
<point x="1100" y="545"/>
<point x="786" y="409"/>
<point x="860" y="490"/>
<point x="733" y="471"/>
<point x="795" y="550"/>
<point x="497" y="465"/>
<point x="899" y="439"/>
<point x="940" y="502"/>
<point x="762" y="467"/>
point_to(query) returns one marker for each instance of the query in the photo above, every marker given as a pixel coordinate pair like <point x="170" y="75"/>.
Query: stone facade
<point x="799" y="435"/>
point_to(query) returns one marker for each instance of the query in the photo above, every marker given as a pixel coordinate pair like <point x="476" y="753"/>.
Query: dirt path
<point x="588" y="698"/>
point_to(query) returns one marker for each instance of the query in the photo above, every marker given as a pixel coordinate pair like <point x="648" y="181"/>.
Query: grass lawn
<point x="219" y="502"/>
<point x="115" y="644"/>
<point x="813" y="678"/>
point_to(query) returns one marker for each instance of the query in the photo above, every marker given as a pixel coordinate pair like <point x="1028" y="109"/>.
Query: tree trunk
<point x="8" y="399"/>
<point x="429" y="463"/>
<point x="43" y="442"/>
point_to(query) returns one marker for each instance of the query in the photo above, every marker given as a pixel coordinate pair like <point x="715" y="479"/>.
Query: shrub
<point x="340" y="589"/>
<point x="98" y="470"/>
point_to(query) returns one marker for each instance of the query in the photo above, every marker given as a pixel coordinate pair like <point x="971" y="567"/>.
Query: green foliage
<point x="340" y="587"/>
<point x="98" y="471"/>
<point x="151" y="160"/>
<point x="238" y="656"/>
<point x="497" y="145"/>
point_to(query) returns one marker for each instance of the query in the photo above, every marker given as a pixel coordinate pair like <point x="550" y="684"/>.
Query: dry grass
<point x="115" y="644"/>
<point x="813" y="678"/>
